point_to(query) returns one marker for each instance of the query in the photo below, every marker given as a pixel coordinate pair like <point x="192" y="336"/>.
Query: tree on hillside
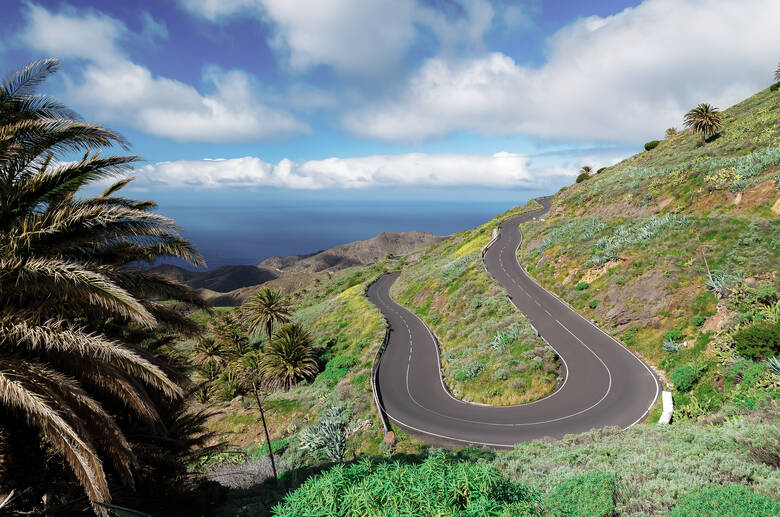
<point x="705" y="120"/>
<point x="65" y="277"/>
<point x="586" y="169"/>
<point x="265" y="309"/>
<point x="252" y="378"/>
<point x="777" y="73"/>
<point x="289" y="357"/>
<point x="670" y="132"/>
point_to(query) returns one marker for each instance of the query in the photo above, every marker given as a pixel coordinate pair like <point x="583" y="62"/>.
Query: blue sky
<point x="462" y="98"/>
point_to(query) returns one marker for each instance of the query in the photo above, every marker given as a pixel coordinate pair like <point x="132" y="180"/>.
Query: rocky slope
<point x="230" y="285"/>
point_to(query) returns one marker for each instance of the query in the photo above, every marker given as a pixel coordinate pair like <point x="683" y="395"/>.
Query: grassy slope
<point x="449" y="288"/>
<point x="655" y="466"/>
<point x="349" y="329"/>
<point x="690" y="201"/>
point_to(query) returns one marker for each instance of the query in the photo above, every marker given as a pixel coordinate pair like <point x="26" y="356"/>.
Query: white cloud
<point x="501" y="170"/>
<point x="152" y="29"/>
<point x="116" y="89"/>
<point x="622" y="77"/>
<point x="357" y="37"/>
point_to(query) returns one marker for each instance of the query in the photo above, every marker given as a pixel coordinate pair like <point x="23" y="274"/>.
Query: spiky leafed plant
<point x="777" y="73"/>
<point x="65" y="275"/>
<point x="289" y="357"/>
<point x="207" y="352"/>
<point x="705" y="120"/>
<point x="586" y="169"/>
<point x="264" y="310"/>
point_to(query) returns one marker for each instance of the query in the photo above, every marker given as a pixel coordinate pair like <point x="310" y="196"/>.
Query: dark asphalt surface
<point x="604" y="385"/>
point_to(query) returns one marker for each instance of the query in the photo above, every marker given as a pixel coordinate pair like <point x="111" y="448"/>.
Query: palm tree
<point x="705" y="120"/>
<point x="777" y="73"/>
<point x="586" y="169"/>
<point x="208" y="352"/>
<point x="65" y="275"/>
<point x="264" y="309"/>
<point x="289" y="357"/>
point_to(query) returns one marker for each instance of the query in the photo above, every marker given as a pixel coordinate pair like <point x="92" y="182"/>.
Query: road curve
<point x="605" y="384"/>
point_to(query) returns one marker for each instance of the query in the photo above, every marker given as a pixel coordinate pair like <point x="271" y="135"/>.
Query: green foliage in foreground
<point x="588" y="495"/>
<point x="437" y="486"/>
<point x="733" y="500"/>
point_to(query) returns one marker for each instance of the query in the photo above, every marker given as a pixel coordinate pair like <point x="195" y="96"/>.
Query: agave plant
<point x="289" y="357"/>
<point x="329" y="437"/>
<point x="705" y="120"/>
<point x="670" y="347"/>
<point x="65" y="272"/>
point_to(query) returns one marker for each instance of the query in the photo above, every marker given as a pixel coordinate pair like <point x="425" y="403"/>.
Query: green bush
<point x="588" y="495"/>
<point x="593" y="304"/>
<point x="582" y="286"/>
<point x="437" y="486"/>
<point x="699" y="320"/>
<point x="582" y="177"/>
<point x="775" y="87"/>
<point x="652" y="144"/>
<point x="601" y="170"/>
<point x="674" y="335"/>
<point x="343" y="361"/>
<point x="758" y="340"/>
<point x="684" y="377"/>
<point x="732" y="500"/>
<point x="258" y="451"/>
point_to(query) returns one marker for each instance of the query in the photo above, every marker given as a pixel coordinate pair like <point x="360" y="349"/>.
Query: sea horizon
<point x="229" y="235"/>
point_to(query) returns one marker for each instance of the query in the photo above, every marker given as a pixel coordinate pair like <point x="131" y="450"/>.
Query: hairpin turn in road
<point x="604" y="383"/>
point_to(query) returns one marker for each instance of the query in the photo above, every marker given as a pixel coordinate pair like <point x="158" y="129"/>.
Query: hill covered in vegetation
<point x="675" y="251"/>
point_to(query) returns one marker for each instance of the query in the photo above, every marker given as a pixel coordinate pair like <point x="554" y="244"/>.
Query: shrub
<point x="327" y="439"/>
<point x="758" y="340"/>
<point x="588" y="495"/>
<point x="593" y="304"/>
<point x="437" y="486"/>
<point x="582" y="286"/>
<point x="501" y="374"/>
<point x="775" y="87"/>
<point x="343" y="361"/>
<point x="601" y="170"/>
<point x="732" y="500"/>
<point x="699" y="320"/>
<point x="674" y="335"/>
<point x="582" y="177"/>
<point x="652" y="144"/>
<point x="773" y="365"/>
<point x="670" y="346"/>
<point x="684" y="377"/>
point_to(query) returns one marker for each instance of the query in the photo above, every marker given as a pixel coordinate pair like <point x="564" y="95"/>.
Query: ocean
<point x="248" y="234"/>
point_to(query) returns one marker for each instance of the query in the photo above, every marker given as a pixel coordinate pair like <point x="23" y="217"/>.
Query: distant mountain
<point x="230" y="285"/>
<point x="356" y="253"/>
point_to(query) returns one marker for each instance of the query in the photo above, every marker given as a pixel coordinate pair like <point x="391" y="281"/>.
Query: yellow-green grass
<point x="449" y="288"/>
<point x="656" y="286"/>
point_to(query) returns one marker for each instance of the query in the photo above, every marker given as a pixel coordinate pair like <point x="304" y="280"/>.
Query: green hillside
<point x="490" y="352"/>
<point x="680" y="245"/>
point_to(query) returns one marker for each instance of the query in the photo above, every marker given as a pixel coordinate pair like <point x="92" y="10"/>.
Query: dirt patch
<point x="715" y="322"/>
<point x="664" y="203"/>
<point x="422" y="296"/>
<point x="762" y="194"/>
<point x="639" y="301"/>
<point x="620" y="208"/>
<point x="776" y="207"/>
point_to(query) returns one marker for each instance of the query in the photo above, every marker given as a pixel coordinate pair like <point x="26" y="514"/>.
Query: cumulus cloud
<point x="116" y="89"/>
<point x="501" y="170"/>
<point x="356" y="37"/>
<point x="622" y="77"/>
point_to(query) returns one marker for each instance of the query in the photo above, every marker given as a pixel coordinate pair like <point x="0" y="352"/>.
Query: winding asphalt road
<point x="604" y="383"/>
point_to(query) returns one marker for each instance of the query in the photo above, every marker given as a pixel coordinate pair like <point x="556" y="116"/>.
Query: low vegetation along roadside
<point x="489" y="351"/>
<point x="726" y="468"/>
